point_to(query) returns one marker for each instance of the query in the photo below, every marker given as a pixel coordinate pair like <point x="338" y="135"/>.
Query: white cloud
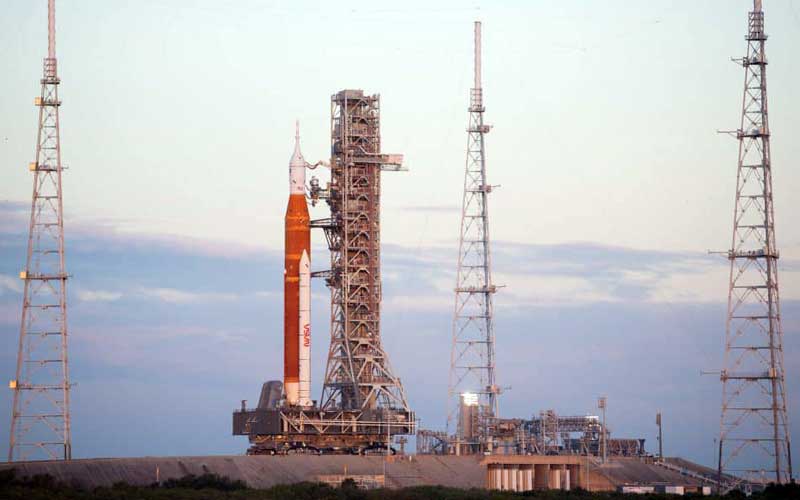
<point x="419" y="303"/>
<point x="581" y="273"/>
<point x="98" y="296"/>
<point x="10" y="314"/>
<point x="175" y="296"/>
<point x="10" y="284"/>
<point x="550" y="290"/>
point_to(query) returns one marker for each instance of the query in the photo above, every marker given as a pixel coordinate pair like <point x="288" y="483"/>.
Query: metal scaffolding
<point x="546" y="434"/>
<point x="40" y="423"/>
<point x="754" y="442"/>
<point x="472" y="360"/>
<point x="363" y="405"/>
<point x="358" y="374"/>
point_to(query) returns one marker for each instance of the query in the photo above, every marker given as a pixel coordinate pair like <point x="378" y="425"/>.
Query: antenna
<point x="40" y="422"/>
<point x="477" y="55"/>
<point x="754" y="442"/>
<point x="51" y="29"/>
<point x="472" y="360"/>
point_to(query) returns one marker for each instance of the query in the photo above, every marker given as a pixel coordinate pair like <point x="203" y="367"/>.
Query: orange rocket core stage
<point x="298" y="238"/>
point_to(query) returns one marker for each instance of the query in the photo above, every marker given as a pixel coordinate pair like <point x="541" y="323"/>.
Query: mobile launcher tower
<point x="363" y="404"/>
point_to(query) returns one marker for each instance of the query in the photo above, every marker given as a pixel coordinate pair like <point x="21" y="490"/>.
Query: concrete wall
<point x="530" y="472"/>
<point x="458" y="472"/>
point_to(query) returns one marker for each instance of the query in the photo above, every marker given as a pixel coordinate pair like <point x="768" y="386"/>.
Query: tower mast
<point x="40" y="423"/>
<point x="358" y="375"/>
<point x="472" y="361"/>
<point x="754" y="443"/>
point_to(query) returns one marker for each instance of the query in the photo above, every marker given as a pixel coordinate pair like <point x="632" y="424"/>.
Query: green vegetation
<point x="214" y="487"/>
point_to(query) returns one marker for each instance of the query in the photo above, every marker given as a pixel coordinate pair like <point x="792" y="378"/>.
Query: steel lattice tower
<point x="40" y="424"/>
<point x="472" y="361"/>
<point x="754" y="443"/>
<point x="358" y="375"/>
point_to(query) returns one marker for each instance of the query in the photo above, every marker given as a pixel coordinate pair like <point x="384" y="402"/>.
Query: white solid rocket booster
<point x="305" y="331"/>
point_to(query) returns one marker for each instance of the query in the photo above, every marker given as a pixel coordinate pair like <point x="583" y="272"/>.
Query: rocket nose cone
<point x="305" y="262"/>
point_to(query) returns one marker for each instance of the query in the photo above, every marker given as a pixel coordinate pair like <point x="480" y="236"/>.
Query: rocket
<point x="296" y="285"/>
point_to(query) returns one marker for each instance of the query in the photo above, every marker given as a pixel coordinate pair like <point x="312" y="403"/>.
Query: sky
<point x="177" y="128"/>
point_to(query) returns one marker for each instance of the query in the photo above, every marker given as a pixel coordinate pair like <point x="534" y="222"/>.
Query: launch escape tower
<point x="358" y="373"/>
<point x="754" y="442"/>
<point x="472" y="360"/>
<point x="40" y="423"/>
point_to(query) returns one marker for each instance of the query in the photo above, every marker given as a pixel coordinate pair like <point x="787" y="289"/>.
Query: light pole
<point x="601" y="404"/>
<point x="660" y="438"/>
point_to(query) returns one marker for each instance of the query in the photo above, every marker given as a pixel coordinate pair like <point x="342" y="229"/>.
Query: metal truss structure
<point x="472" y="359"/>
<point x="754" y="443"/>
<point x="40" y="423"/>
<point x="358" y="375"/>
<point x="431" y="442"/>
<point x="363" y="404"/>
<point x="553" y="433"/>
<point x="626" y="447"/>
<point x="545" y="434"/>
<point x="285" y="430"/>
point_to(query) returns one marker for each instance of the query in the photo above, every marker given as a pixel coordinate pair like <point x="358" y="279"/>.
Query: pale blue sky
<point x="178" y="121"/>
<point x="178" y="116"/>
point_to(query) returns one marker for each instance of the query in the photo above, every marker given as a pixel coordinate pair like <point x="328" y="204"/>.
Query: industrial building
<point x="545" y="434"/>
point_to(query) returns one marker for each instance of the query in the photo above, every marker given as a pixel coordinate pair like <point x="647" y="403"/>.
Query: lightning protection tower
<point x="472" y="361"/>
<point x="754" y="443"/>
<point x="40" y="425"/>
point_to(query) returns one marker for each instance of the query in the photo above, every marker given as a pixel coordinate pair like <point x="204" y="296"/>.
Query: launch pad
<point x="363" y="404"/>
<point x="285" y="430"/>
